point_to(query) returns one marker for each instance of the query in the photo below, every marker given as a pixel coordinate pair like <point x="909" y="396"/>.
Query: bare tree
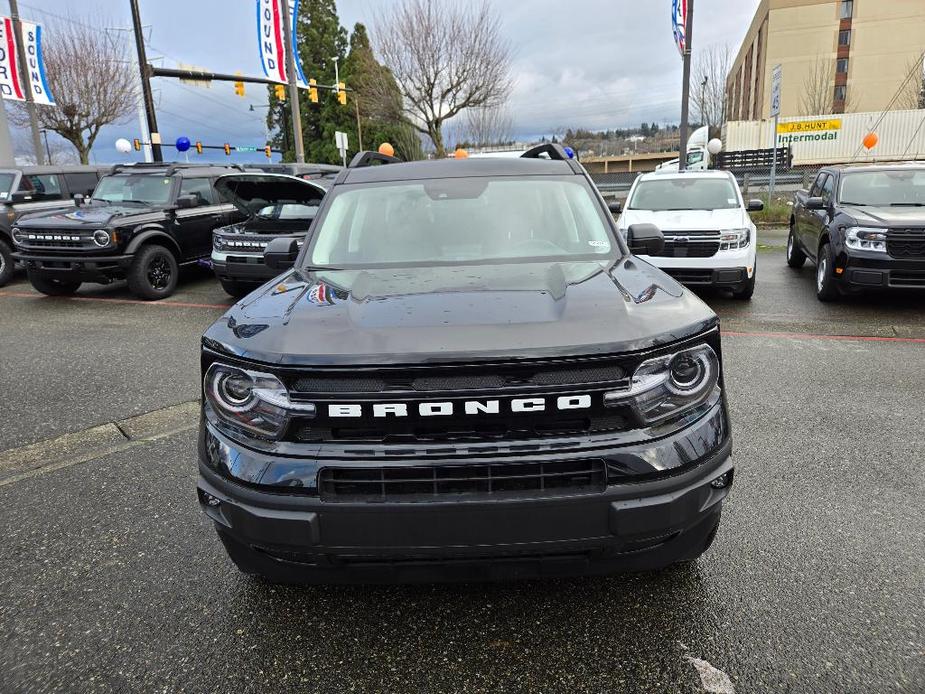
<point x="708" y="84"/>
<point x="913" y="94"/>
<point x="818" y="86"/>
<point x="488" y="126"/>
<point x="445" y="58"/>
<point x="57" y="151"/>
<point x="92" y="81"/>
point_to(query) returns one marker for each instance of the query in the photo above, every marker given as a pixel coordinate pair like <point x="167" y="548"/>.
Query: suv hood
<point x="887" y="216"/>
<point x="251" y="192"/>
<point x="418" y="315"/>
<point x="97" y="214"/>
<point x="692" y="220"/>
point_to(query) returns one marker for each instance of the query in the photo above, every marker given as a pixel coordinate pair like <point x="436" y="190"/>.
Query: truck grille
<point x="690" y="244"/>
<point x="53" y="239"/>
<point x="424" y="483"/>
<point x="690" y="275"/>
<point x="906" y="243"/>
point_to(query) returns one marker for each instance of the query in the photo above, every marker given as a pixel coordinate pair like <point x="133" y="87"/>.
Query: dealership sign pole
<point x="682" y="20"/>
<point x="277" y="36"/>
<point x="776" y="76"/>
<point x="16" y="53"/>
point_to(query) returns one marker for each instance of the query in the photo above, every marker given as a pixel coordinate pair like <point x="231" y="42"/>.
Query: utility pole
<point x="288" y="39"/>
<point x="146" y="83"/>
<point x="686" y="83"/>
<point x="27" y="84"/>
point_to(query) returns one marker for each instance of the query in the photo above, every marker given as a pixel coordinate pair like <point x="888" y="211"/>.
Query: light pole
<point x="703" y="100"/>
<point x="686" y="83"/>
<point x="47" y="150"/>
<point x="288" y="25"/>
<point x="26" y="84"/>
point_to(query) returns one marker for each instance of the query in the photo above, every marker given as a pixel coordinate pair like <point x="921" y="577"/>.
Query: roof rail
<point x="171" y="167"/>
<point x="361" y="159"/>
<point x="552" y="150"/>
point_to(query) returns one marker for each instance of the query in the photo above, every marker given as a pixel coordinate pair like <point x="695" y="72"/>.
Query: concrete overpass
<point x="638" y="161"/>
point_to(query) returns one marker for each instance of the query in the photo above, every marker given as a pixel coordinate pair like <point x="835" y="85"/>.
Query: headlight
<point x="669" y="385"/>
<point x="730" y="239"/>
<point x="18" y="236"/>
<point x="101" y="238"/>
<point x="257" y="403"/>
<point x="218" y="243"/>
<point x="864" y="239"/>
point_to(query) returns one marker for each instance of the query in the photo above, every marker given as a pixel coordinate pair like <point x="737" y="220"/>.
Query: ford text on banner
<point x="32" y="45"/>
<point x="10" y="87"/>
<point x="270" y="35"/>
<point x="679" y="23"/>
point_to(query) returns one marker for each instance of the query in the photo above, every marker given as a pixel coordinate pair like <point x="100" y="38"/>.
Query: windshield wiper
<point x="907" y="204"/>
<point x="854" y="204"/>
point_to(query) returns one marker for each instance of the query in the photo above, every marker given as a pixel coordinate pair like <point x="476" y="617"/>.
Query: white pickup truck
<point x="709" y="235"/>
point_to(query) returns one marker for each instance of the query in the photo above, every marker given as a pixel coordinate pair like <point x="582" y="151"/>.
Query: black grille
<point x="57" y="243"/>
<point x="688" y="250"/>
<point x="690" y="275"/>
<point x="906" y="243"/>
<point x="907" y="278"/>
<point x="422" y="483"/>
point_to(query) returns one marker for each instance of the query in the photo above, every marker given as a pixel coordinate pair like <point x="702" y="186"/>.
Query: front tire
<point x="7" y="264"/>
<point x="237" y="289"/>
<point x="153" y="274"/>
<point x="826" y="287"/>
<point x="795" y="257"/>
<point x="52" y="286"/>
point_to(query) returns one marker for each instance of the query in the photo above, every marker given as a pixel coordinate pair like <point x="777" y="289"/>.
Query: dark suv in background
<point x="143" y="222"/>
<point x="25" y="189"/>
<point x="466" y="374"/>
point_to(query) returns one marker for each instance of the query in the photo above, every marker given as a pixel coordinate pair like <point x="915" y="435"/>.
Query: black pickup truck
<point x="864" y="226"/>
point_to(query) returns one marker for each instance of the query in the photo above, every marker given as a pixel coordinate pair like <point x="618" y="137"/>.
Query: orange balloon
<point x="460" y="153"/>
<point x="870" y="140"/>
<point x="387" y="149"/>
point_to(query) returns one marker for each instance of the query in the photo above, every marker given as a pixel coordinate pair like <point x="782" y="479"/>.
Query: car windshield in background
<point x="288" y="211"/>
<point x="6" y="185"/>
<point x="685" y="194"/>
<point x="150" y="190"/>
<point x="462" y="221"/>
<point x="890" y="188"/>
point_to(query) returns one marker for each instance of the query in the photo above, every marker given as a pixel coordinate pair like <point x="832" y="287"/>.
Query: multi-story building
<point x="837" y="56"/>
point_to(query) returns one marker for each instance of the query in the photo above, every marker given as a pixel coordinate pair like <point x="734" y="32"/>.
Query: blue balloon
<point x="570" y="152"/>
<point x="182" y="144"/>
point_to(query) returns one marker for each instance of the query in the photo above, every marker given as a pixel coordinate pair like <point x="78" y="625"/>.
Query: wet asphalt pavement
<point x="111" y="580"/>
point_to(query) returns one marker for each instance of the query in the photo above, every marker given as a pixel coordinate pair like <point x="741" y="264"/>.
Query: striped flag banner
<point x="270" y="36"/>
<point x="32" y="45"/>
<point x="10" y="84"/>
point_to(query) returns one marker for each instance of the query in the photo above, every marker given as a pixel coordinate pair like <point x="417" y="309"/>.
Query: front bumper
<point x="241" y="267"/>
<point x="726" y="269"/>
<point x="630" y="525"/>
<point x="867" y="270"/>
<point x="86" y="268"/>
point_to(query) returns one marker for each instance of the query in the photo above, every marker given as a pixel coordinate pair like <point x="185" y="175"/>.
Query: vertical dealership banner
<point x="32" y="45"/>
<point x="679" y="23"/>
<point x="10" y="87"/>
<point x="270" y="35"/>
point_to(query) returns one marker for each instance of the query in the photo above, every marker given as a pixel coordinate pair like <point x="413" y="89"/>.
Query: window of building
<point x="844" y="37"/>
<point x="847" y="9"/>
<point x="841" y="91"/>
<point x="841" y="65"/>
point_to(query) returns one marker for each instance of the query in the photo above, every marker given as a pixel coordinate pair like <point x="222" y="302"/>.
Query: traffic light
<point x="198" y="147"/>
<point x="239" y="88"/>
<point x="227" y="150"/>
<point x="342" y="93"/>
<point x="313" y="91"/>
<point x="137" y="144"/>
<point x="267" y="151"/>
<point x="280" y="92"/>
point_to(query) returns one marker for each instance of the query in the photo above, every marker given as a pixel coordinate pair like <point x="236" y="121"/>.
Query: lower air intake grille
<point x="426" y="483"/>
<point x="906" y="243"/>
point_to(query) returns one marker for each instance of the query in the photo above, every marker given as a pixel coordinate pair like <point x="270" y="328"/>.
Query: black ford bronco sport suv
<point x="465" y="374"/>
<point x="142" y="223"/>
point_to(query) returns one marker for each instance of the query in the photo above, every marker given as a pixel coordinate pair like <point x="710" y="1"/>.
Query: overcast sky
<point x="582" y="63"/>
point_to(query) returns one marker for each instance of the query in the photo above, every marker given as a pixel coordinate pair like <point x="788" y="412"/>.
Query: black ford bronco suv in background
<point x="864" y="226"/>
<point x="466" y="373"/>
<point x="142" y="223"/>
<point x="273" y="206"/>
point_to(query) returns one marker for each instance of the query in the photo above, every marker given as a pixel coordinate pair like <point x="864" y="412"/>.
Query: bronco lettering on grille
<point x="469" y="407"/>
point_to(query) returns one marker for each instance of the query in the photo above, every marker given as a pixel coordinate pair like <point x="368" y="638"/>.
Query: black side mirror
<point x="755" y="205"/>
<point x="280" y="254"/>
<point x="615" y="207"/>
<point x="184" y="202"/>
<point x="645" y="239"/>
<point x="815" y="203"/>
<point x="21" y="196"/>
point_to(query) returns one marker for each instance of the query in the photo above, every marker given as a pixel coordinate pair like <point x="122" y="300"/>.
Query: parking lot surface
<point x="113" y="581"/>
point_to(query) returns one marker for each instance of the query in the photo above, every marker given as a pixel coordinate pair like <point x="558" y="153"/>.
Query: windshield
<point x="684" y="194"/>
<point x="144" y="188"/>
<point x="893" y="187"/>
<point x="6" y="183"/>
<point x="288" y="211"/>
<point x="462" y="221"/>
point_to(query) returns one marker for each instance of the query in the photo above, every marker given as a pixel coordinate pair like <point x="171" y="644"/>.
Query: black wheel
<point x="153" y="274"/>
<point x="795" y="257"/>
<point x="826" y="289"/>
<point x="6" y="263"/>
<point x="237" y="289"/>
<point x="52" y="286"/>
